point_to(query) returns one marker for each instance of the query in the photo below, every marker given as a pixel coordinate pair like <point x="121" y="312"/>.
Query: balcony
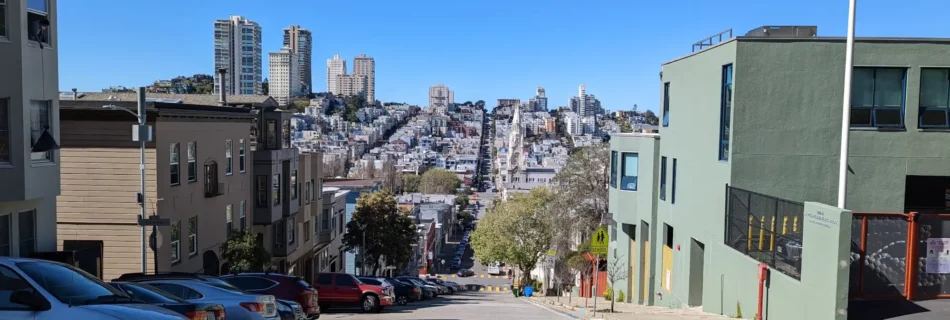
<point x="214" y="190"/>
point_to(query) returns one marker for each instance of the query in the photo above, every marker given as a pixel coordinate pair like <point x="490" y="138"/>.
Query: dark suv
<point x="281" y="286"/>
<point x="139" y="277"/>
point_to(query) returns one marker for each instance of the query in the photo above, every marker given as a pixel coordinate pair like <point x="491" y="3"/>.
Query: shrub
<point x="608" y="294"/>
<point x="621" y="297"/>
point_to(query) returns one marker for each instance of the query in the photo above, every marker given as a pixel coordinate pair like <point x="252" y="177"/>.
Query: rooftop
<point x="198" y="99"/>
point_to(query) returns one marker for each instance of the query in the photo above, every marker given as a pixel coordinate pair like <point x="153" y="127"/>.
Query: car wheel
<point x="370" y="303"/>
<point x="402" y="300"/>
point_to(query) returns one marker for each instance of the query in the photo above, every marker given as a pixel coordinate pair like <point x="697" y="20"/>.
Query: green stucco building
<point x="748" y="153"/>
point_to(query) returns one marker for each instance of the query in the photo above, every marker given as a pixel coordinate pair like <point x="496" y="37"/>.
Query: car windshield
<point x="304" y="284"/>
<point x="67" y="284"/>
<point x="149" y="294"/>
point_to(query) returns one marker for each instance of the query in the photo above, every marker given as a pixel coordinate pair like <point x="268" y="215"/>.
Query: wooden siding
<point x="122" y="246"/>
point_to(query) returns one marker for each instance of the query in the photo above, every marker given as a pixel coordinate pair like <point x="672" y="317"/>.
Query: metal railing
<point x="711" y="41"/>
<point x="766" y="228"/>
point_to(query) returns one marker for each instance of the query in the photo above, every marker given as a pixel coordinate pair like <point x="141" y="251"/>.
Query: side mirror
<point x="31" y="299"/>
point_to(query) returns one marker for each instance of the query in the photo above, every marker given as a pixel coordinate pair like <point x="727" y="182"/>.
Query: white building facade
<point x="284" y="76"/>
<point x="366" y="67"/>
<point x="237" y="49"/>
<point x="300" y="40"/>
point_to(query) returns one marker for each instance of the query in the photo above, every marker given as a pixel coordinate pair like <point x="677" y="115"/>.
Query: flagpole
<point x="846" y="109"/>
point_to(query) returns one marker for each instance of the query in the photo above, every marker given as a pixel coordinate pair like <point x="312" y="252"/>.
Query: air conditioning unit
<point x="784" y="32"/>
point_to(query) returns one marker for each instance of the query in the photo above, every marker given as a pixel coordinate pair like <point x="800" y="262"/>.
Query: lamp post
<point x="846" y="109"/>
<point x="140" y="133"/>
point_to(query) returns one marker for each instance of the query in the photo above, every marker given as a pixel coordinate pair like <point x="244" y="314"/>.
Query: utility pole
<point x="363" y="254"/>
<point x="846" y="109"/>
<point x="142" y="139"/>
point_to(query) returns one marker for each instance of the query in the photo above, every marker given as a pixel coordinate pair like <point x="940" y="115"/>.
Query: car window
<point x="250" y="283"/>
<point x="371" y="281"/>
<point x="345" y="280"/>
<point x="67" y="284"/>
<point x="157" y="291"/>
<point x="11" y="282"/>
<point x="146" y="295"/>
<point x="325" y="279"/>
<point x="227" y="287"/>
<point x="303" y="284"/>
<point x="219" y="282"/>
<point x="178" y="290"/>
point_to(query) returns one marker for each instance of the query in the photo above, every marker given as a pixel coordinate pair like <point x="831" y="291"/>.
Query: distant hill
<point x="198" y="84"/>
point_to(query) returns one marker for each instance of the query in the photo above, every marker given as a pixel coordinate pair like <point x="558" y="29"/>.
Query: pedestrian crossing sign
<point x="598" y="243"/>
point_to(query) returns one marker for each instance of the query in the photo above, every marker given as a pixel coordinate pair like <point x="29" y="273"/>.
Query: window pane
<point x="888" y="87"/>
<point x="613" y="169"/>
<point x="37" y="5"/>
<point x="934" y="87"/>
<point x="5" y="235"/>
<point x="933" y="117"/>
<point x="271" y="134"/>
<point x="39" y="122"/>
<point x="887" y="117"/>
<point x="27" y="228"/>
<point x="3" y="21"/>
<point x="862" y="87"/>
<point x="4" y="116"/>
<point x="630" y="172"/>
<point x="860" y="116"/>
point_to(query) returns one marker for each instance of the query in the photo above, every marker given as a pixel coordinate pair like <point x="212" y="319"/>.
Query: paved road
<point x="463" y="306"/>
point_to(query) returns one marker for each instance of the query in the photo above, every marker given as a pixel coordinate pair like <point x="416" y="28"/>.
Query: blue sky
<point x="486" y="49"/>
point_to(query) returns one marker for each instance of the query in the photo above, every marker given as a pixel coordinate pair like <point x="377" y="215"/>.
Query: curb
<point x="564" y="313"/>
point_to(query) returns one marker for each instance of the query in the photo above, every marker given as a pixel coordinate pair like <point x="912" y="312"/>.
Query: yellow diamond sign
<point x="598" y="243"/>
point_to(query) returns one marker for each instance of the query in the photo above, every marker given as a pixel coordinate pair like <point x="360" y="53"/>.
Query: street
<point x="462" y="306"/>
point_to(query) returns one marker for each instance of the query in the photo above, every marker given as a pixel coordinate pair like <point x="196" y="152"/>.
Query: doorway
<point x="645" y="264"/>
<point x="88" y="255"/>
<point x="697" y="254"/>
<point x="631" y="231"/>
<point x="926" y="193"/>
<point x="210" y="263"/>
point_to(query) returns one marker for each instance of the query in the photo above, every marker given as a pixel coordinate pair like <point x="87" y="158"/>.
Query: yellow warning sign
<point x="598" y="243"/>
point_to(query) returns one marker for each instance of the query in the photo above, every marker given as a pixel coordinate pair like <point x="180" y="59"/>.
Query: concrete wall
<point x="787" y="130"/>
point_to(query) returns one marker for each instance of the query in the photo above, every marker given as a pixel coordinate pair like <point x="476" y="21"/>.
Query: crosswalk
<point x="493" y="289"/>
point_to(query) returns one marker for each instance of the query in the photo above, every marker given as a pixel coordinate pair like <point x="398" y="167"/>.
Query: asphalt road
<point x="462" y="306"/>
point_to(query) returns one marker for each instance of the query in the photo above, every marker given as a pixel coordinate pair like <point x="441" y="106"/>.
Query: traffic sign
<point x="552" y="253"/>
<point x="598" y="243"/>
<point x="154" y="221"/>
<point x="549" y="261"/>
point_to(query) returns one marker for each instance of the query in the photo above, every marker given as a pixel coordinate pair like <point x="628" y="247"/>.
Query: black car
<point x="412" y="291"/>
<point x="156" y="296"/>
<point x="403" y="294"/>
<point x="466" y="273"/>
<point x="289" y="310"/>
<point x="138" y="277"/>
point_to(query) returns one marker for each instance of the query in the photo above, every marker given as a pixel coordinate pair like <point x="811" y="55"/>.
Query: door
<point x="325" y="289"/>
<point x="645" y="265"/>
<point x="697" y="256"/>
<point x="346" y="287"/>
<point x="632" y="275"/>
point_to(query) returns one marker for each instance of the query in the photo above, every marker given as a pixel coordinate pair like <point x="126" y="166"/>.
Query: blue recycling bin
<point x="528" y="291"/>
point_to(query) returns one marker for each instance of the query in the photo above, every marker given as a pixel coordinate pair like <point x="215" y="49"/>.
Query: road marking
<point x="566" y="315"/>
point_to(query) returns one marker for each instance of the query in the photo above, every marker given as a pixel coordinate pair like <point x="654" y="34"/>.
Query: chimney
<point x="75" y="94"/>
<point x="222" y="95"/>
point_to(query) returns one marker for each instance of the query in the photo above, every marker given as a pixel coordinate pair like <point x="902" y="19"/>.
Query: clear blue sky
<point x="486" y="49"/>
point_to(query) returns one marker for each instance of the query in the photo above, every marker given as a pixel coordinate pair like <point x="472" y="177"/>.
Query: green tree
<point x="462" y="200"/>
<point x="389" y="232"/>
<point x="516" y="232"/>
<point x="265" y="87"/>
<point x="440" y="181"/>
<point x="299" y="105"/>
<point x="411" y="182"/>
<point x="651" y="118"/>
<point x="353" y="104"/>
<point x="244" y="254"/>
<point x="480" y="104"/>
<point x="624" y="122"/>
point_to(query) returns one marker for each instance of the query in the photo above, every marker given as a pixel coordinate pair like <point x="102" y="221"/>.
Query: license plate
<point x="271" y="308"/>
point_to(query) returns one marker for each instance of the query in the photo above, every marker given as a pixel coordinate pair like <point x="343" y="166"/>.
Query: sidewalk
<point x="623" y="311"/>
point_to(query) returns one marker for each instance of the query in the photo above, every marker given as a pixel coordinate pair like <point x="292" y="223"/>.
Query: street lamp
<point x="140" y="133"/>
<point x="846" y="109"/>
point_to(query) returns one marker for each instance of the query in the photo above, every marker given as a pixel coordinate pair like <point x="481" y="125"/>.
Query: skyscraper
<point x="301" y="42"/>
<point x="335" y="67"/>
<point x="366" y="67"/>
<point x="440" y="97"/>
<point x="284" y="75"/>
<point x="540" y="101"/>
<point x="237" y="49"/>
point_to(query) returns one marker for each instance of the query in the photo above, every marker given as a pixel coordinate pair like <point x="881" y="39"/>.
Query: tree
<point x="651" y="118"/>
<point x="334" y="166"/>
<point x="462" y="200"/>
<point x="299" y="105"/>
<point x="440" y="181"/>
<point x="365" y="169"/>
<point x="389" y="233"/>
<point x="581" y="188"/>
<point x="411" y="182"/>
<point x="516" y="232"/>
<point x="392" y="181"/>
<point x="244" y="254"/>
<point x="480" y="104"/>
<point x="265" y="87"/>
<point x="624" y="122"/>
<point x="353" y="104"/>
<point x="616" y="271"/>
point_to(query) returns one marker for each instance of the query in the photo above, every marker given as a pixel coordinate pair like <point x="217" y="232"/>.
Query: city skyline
<point x="619" y="62"/>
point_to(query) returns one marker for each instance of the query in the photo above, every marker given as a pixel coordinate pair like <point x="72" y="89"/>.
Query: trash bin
<point x="528" y="291"/>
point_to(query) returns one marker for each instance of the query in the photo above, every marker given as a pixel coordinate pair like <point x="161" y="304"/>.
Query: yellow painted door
<point x="633" y="269"/>
<point x="645" y="271"/>
<point x="667" y="275"/>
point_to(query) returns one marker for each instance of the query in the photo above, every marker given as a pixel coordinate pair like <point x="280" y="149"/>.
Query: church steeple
<point x="515" y="143"/>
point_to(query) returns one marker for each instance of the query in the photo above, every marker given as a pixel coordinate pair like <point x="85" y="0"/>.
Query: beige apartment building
<point x="198" y="175"/>
<point x="310" y="173"/>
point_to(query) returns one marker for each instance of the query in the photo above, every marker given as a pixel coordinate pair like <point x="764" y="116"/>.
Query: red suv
<point x="341" y="289"/>
<point x="281" y="286"/>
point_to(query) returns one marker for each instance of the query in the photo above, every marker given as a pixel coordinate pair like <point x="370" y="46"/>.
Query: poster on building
<point x="938" y="255"/>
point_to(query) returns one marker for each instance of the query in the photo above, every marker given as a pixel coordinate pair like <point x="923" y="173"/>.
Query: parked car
<point x="432" y="291"/>
<point x="411" y="291"/>
<point x="400" y="291"/>
<point x="281" y="286"/>
<point x="442" y="289"/>
<point x="466" y="273"/>
<point x="455" y="286"/>
<point x="138" y="277"/>
<point x="340" y="289"/>
<point x="290" y="310"/>
<point x="40" y="289"/>
<point x="157" y="297"/>
<point x="238" y="304"/>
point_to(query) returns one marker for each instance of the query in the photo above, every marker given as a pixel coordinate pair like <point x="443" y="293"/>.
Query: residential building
<point x="366" y="67"/>
<point x="197" y="175"/>
<point x="284" y="75"/>
<point x="440" y="97"/>
<point x="331" y="257"/>
<point x="335" y="67"/>
<point x="300" y="40"/>
<point x="352" y="85"/>
<point x="694" y="219"/>
<point x="237" y="49"/>
<point x="585" y="105"/>
<point x="310" y="199"/>
<point x="540" y="101"/>
<point x="29" y="126"/>
<point x="355" y="188"/>
<point x="276" y="172"/>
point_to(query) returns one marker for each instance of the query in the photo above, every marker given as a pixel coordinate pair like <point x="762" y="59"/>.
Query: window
<point x="243" y="214"/>
<point x="309" y="191"/>
<point x="37" y="12"/>
<point x="934" y="99"/>
<point x="325" y="279"/>
<point x="276" y="189"/>
<point x="3" y="19"/>
<point x="630" y="169"/>
<point x="673" y="187"/>
<point x="5" y="235"/>
<point x="725" y="112"/>
<point x="286" y="134"/>
<point x="212" y="188"/>
<point x="306" y="231"/>
<point x="4" y="114"/>
<point x="11" y="282"/>
<point x="279" y="234"/>
<point x="40" y="119"/>
<point x="27" y="228"/>
<point x="242" y="146"/>
<point x="877" y="97"/>
<point x="272" y="134"/>
<point x="613" y="169"/>
<point x="293" y="185"/>
<point x="192" y="161"/>
<point x="227" y="157"/>
<point x="663" y="178"/>
<point x="291" y="230"/>
<point x="262" y="191"/>
<point x="666" y="104"/>
<point x="176" y="241"/>
<point x="66" y="283"/>
<point x="229" y="214"/>
<point x="192" y="236"/>
<point x="173" y="167"/>
<point x="344" y="280"/>
<point x="325" y="221"/>
<point x="319" y="189"/>
<point x="341" y="214"/>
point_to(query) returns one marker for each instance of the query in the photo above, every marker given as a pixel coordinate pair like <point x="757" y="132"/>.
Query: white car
<point x="41" y="289"/>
